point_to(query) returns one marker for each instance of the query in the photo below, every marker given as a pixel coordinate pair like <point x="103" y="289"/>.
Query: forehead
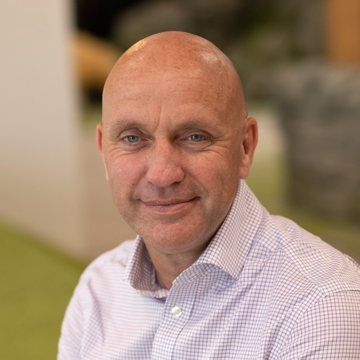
<point x="179" y="94"/>
<point x="174" y="85"/>
<point x="169" y="88"/>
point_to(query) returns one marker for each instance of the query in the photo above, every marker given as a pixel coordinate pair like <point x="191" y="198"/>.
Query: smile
<point x="169" y="206"/>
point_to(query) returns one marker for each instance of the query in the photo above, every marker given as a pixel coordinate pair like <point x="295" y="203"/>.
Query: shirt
<point x="264" y="288"/>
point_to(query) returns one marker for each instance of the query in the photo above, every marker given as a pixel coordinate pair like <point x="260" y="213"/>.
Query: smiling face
<point x="172" y="142"/>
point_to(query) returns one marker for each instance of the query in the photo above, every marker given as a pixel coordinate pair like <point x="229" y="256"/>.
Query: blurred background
<point x="300" y="65"/>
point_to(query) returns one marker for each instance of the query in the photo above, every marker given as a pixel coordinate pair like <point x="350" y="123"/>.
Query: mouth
<point x="169" y="206"/>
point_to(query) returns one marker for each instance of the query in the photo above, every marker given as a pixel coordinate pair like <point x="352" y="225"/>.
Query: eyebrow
<point x="118" y="125"/>
<point x="199" y="124"/>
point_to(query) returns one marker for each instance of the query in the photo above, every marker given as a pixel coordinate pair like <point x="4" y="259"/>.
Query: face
<point x="173" y="149"/>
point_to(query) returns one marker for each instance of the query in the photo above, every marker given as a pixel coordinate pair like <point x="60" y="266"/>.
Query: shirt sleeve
<point x="72" y="330"/>
<point x="329" y="330"/>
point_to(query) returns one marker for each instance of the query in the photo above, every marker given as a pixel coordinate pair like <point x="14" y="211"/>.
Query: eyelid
<point x="203" y="137"/>
<point x="134" y="132"/>
<point x="191" y="132"/>
<point x="126" y="138"/>
<point x="131" y="132"/>
<point x="204" y="134"/>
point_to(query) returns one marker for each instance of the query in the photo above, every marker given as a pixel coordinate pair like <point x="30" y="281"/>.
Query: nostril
<point x="165" y="177"/>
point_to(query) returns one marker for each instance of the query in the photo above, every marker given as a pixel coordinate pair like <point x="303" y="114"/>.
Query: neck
<point x="169" y="266"/>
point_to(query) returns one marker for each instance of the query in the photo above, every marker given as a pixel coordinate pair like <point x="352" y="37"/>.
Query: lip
<point x="169" y="206"/>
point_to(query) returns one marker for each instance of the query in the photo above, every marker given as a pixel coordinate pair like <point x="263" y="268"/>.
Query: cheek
<point x="215" y="169"/>
<point x="125" y="173"/>
<point x="220" y="178"/>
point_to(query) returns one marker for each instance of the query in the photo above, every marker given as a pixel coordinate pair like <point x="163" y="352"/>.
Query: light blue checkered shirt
<point x="263" y="289"/>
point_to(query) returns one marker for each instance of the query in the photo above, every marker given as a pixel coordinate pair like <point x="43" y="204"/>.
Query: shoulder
<point x="323" y="266"/>
<point x="102" y="279"/>
<point x="315" y="290"/>
<point x="330" y="329"/>
<point x="118" y="256"/>
<point x="99" y="285"/>
<point x="110" y="264"/>
<point x="299" y="269"/>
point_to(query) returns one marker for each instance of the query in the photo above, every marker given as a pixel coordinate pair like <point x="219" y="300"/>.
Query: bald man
<point x="211" y="274"/>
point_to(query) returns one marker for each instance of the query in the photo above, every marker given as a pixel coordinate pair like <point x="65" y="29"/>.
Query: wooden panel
<point x="343" y="31"/>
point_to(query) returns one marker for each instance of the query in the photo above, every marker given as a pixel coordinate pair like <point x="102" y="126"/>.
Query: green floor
<point x="37" y="283"/>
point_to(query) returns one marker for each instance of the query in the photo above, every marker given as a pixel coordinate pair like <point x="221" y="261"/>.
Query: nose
<point x="164" y="166"/>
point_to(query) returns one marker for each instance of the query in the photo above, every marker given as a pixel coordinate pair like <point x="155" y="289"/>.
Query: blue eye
<point x="196" y="137"/>
<point x="132" y="138"/>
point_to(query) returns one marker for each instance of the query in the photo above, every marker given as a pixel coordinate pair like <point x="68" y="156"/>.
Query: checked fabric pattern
<point x="263" y="289"/>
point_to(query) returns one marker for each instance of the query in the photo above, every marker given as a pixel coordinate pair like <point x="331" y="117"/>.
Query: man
<point x="211" y="275"/>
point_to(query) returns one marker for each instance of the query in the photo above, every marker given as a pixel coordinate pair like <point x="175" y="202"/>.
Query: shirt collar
<point x="231" y="244"/>
<point x="228" y="249"/>
<point x="140" y="271"/>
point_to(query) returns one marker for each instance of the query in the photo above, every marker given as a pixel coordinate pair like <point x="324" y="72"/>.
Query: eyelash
<point x="202" y="137"/>
<point x="126" y="138"/>
<point x="139" y="140"/>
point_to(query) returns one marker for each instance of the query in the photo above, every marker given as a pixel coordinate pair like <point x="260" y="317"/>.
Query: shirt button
<point x="176" y="311"/>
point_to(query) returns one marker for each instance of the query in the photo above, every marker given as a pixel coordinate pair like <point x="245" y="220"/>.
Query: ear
<point x="99" y="142"/>
<point x="249" y="142"/>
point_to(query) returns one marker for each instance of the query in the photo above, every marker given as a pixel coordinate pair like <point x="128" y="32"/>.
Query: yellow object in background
<point x="343" y="31"/>
<point x="94" y="58"/>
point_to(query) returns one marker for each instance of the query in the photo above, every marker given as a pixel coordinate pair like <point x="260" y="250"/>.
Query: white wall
<point x="40" y="187"/>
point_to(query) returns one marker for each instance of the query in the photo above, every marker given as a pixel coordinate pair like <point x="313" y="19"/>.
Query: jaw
<point x="174" y="239"/>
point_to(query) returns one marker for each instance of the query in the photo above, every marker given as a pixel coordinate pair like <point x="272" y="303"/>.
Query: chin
<point x="170" y="240"/>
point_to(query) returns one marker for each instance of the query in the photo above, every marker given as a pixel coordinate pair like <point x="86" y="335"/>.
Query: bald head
<point x="175" y="53"/>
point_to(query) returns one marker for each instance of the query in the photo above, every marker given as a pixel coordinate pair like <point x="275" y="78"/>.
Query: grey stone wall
<point x="319" y="107"/>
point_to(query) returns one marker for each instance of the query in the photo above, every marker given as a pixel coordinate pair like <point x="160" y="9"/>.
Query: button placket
<point x="177" y="311"/>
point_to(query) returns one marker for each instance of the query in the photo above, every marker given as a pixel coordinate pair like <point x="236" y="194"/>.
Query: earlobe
<point x="250" y="139"/>
<point x="99" y="142"/>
